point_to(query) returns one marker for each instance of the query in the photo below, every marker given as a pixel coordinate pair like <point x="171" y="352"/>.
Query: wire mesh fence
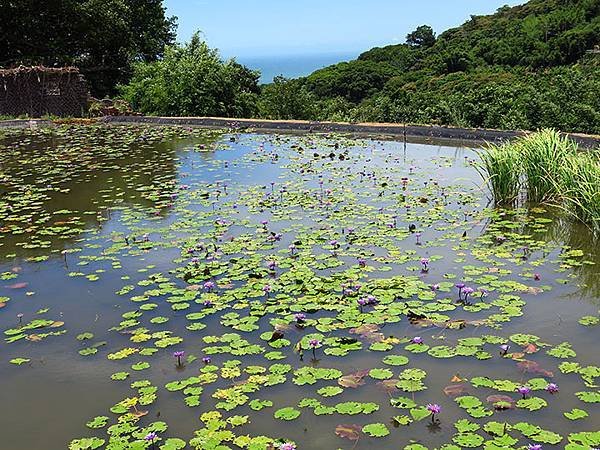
<point x="38" y="91"/>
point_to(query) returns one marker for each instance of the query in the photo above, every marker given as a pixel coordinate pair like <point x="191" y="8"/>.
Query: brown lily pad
<point x="350" y="432"/>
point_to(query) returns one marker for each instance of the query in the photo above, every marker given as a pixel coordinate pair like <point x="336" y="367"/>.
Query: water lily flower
<point x="425" y="264"/>
<point x="433" y="409"/>
<point x="264" y="223"/>
<point x="292" y="248"/>
<point x="435" y="287"/>
<point x="467" y="291"/>
<point x="552" y="388"/>
<point x="371" y="300"/>
<point x="417" y="340"/>
<point x="151" y="437"/>
<point x="209" y="286"/>
<point x="362" y="262"/>
<point x="460" y="287"/>
<point x="266" y="289"/>
<point x="299" y="317"/>
<point x="504" y="348"/>
<point x="524" y="391"/>
<point x="206" y="360"/>
<point x="287" y="446"/>
<point x="272" y="265"/>
<point x="484" y="292"/>
<point x="207" y="303"/>
<point x="418" y="238"/>
<point x="314" y="343"/>
<point x="178" y="354"/>
<point x="534" y="447"/>
<point x="347" y="291"/>
<point x="537" y="277"/>
<point x="20" y="317"/>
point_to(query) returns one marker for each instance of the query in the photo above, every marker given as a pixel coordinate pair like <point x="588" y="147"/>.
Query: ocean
<point x="292" y="66"/>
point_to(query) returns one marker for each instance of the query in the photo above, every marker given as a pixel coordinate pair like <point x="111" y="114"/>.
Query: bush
<point x="192" y="80"/>
<point x="286" y="99"/>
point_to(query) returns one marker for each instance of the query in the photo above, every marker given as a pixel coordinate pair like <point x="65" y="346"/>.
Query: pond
<point x="175" y="288"/>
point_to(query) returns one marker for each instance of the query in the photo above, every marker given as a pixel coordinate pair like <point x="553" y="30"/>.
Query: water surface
<point x="110" y="234"/>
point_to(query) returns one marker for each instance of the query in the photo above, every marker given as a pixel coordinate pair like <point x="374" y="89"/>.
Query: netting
<point x="39" y="91"/>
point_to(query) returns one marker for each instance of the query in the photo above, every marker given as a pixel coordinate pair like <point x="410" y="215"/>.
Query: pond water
<point x="122" y="245"/>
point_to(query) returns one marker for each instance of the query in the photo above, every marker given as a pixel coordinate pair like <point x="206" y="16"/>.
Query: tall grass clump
<point x="545" y="167"/>
<point x="580" y="186"/>
<point x="500" y="166"/>
<point x="543" y="156"/>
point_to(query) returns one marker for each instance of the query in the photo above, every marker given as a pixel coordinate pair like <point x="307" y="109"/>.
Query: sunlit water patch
<point x="171" y="287"/>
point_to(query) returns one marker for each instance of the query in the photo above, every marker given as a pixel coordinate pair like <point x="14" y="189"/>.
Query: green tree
<point x="286" y="99"/>
<point x="102" y="37"/>
<point x="192" y="80"/>
<point x="422" y="37"/>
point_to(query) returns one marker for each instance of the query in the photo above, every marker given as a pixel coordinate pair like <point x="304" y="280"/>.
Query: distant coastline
<point x="293" y="66"/>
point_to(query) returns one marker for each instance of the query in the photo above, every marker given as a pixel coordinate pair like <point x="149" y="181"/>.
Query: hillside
<point x="528" y="66"/>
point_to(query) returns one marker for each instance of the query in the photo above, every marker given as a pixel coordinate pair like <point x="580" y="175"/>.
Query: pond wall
<point x="390" y="129"/>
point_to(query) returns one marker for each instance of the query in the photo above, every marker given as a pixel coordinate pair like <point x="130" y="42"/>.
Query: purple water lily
<point x="466" y="292"/>
<point x="552" y="388"/>
<point x="504" y="348"/>
<point x="299" y="317"/>
<point x="524" y="391"/>
<point x="417" y="340"/>
<point x="424" y="264"/>
<point x="151" y="437"/>
<point x="287" y="446"/>
<point x="314" y="343"/>
<point x="434" y="409"/>
<point x="206" y="360"/>
<point x="267" y="289"/>
<point x="178" y="355"/>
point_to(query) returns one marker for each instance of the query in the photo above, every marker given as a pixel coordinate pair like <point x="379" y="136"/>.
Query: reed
<point x="499" y="166"/>
<point x="580" y="185"/>
<point x="544" y="167"/>
<point x="542" y="156"/>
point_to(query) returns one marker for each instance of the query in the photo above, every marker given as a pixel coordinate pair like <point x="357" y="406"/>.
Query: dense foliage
<point x="102" y="37"/>
<point x="192" y="80"/>
<point x="526" y="67"/>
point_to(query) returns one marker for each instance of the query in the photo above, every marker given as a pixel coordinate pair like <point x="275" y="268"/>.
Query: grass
<point x="500" y="168"/>
<point x="545" y="167"/>
<point x="580" y="182"/>
<point x="543" y="156"/>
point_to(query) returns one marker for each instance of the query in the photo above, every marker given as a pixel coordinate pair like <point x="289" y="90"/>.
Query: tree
<point x="192" y="80"/>
<point x="422" y="37"/>
<point x="286" y="99"/>
<point x="102" y="37"/>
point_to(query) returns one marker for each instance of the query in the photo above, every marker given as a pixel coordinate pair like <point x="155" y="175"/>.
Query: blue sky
<point x="248" y="28"/>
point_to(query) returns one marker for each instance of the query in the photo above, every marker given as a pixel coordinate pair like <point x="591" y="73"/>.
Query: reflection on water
<point x="109" y="234"/>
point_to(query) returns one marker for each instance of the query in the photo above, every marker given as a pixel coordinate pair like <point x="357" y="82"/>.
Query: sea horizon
<point x="292" y="66"/>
